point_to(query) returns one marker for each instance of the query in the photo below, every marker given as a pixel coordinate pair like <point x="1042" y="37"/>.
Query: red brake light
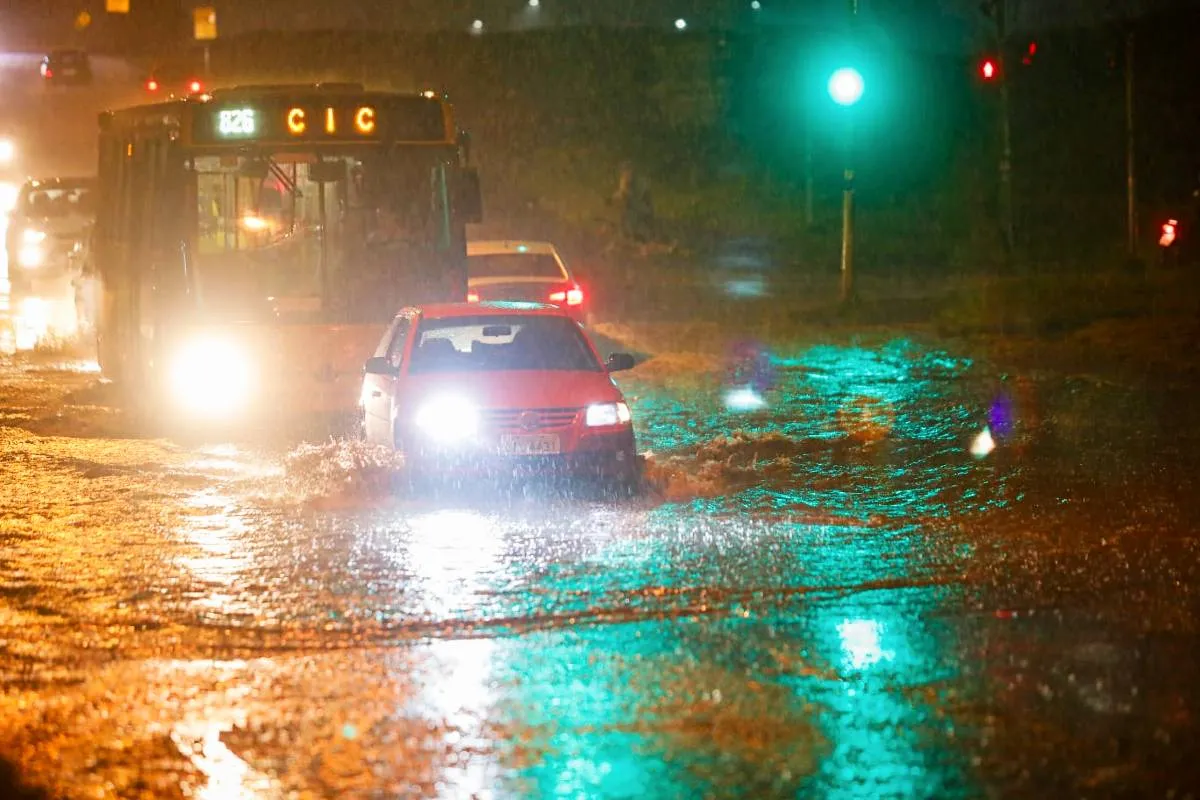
<point x="152" y="85"/>
<point x="472" y="297"/>
<point x="49" y="73"/>
<point x="572" y="297"/>
<point x="195" y="86"/>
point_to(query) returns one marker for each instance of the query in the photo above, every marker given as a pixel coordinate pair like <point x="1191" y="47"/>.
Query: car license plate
<point x="539" y="445"/>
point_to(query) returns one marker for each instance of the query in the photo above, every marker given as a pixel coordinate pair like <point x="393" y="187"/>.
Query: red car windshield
<point x="501" y="343"/>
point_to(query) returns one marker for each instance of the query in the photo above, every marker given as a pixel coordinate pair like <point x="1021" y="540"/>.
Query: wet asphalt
<point x="840" y="595"/>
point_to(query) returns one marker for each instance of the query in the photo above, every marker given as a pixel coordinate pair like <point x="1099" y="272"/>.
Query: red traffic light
<point x="988" y="69"/>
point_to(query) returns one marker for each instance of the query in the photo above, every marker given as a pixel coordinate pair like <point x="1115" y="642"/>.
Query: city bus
<point x="252" y="243"/>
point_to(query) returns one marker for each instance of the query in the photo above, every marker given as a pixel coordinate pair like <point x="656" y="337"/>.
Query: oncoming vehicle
<point x="498" y="387"/>
<point x="66" y="67"/>
<point x="11" y="177"/>
<point x="253" y="242"/>
<point x="48" y="228"/>
<point x="522" y="271"/>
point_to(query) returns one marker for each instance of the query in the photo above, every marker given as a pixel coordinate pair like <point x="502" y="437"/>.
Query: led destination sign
<point x="277" y="120"/>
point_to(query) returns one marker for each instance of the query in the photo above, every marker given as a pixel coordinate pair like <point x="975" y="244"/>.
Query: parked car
<point x="66" y="67"/>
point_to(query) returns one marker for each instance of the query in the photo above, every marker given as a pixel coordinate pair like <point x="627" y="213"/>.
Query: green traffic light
<point x="846" y="86"/>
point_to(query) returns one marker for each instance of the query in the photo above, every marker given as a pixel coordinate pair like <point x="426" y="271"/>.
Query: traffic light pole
<point x="1131" y="220"/>
<point x="1007" y="228"/>
<point x="847" y="283"/>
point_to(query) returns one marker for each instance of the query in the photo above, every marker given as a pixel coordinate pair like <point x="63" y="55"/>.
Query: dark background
<point x="716" y="119"/>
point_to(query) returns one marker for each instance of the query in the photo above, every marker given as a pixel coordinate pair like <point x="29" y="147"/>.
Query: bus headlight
<point x="30" y="256"/>
<point x="211" y="376"/>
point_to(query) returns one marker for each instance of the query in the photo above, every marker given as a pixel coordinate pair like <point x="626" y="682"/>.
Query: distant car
<point x="523" y="271"/>
<point x="68" y="67"/>
<point x="47" y="227"/>
<point x="169" y="80"/>
<point x="514" y="388"/>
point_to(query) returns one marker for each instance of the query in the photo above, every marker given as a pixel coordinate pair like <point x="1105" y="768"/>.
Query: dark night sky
<point x="949" y="26"/>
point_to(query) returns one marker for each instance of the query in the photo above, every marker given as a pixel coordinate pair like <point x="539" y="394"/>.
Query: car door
<point x="379" y="389"/>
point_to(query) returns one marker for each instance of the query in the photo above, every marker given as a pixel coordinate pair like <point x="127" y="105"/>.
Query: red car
<point x="505" y="387"/>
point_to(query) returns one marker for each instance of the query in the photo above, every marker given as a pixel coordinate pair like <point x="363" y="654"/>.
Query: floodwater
<point x="852" y="591"/>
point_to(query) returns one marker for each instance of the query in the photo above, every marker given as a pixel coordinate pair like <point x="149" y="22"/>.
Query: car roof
<point x="490" y="309"/>
<point x="496" y="246"/>
<point x="56" y="183"/>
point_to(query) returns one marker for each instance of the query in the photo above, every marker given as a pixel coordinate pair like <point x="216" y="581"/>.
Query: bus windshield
<point x="289" y="225"/>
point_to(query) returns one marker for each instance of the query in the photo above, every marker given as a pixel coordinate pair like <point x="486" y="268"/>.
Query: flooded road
<point x="909" y="575"/>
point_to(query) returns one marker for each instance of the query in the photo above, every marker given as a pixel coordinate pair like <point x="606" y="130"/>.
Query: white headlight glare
<point x="8" y="151"/>
<point x="448" y="419"/>
<point x="31" y="236"/>
<point x="30" y="256"/>
<point x="211" y="376"/>
<point x="601" y="415"/>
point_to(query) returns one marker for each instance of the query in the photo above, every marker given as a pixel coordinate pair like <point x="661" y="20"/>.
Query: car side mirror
<point x="378" y="365"/>
<point x="619" y="362"/>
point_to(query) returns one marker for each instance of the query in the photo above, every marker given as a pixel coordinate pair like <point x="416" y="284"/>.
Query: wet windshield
<point x="505" y="265"/>
<point x="501" y="343"/>
<point x="289" y="224"/>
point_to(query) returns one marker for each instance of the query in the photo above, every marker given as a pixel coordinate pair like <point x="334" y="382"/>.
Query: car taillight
<point x="195" y="86"/>
<point x="49" y="73"/>
<point x="152" y="85"/>
<point x="572" y="297"/>
<point x="472" y="297"/>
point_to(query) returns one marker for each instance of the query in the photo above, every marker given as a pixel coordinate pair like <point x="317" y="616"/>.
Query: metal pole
<point x="808" y="169"/>
<point x="847" y="283"/>
<point x="1131" y="220"/>
<point x="847" y="292"/>
<point x="1007" y="227"/>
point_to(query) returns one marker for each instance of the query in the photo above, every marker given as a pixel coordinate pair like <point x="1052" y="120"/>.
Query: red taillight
<point x="572" y="297"/>
<point x="1168" y="233"/>
<point x="472" y="297"/>
<point x="152" y="85"/>
<point x="49" y="73"/>
<point x="195" y="86"/>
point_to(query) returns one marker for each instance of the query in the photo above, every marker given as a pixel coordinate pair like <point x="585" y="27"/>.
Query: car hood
<point x="517" y="389"/>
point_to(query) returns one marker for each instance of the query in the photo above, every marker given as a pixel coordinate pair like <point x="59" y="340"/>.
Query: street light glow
<point x="680" y="24"/>
<point x="754" y="4"/>
<point x="534" y="3"/>
<point x="846" y="86"/>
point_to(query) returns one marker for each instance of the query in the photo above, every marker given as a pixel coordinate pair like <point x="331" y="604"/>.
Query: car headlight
<point x="30" y="255"/>
<point x="211" y="377"/>
<point x="31" y="236"/>
<point x="9" y="192"/>
<point x="600" y="415"/>
<point x="448" y="419"/>
<point x="8" y="151"/>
